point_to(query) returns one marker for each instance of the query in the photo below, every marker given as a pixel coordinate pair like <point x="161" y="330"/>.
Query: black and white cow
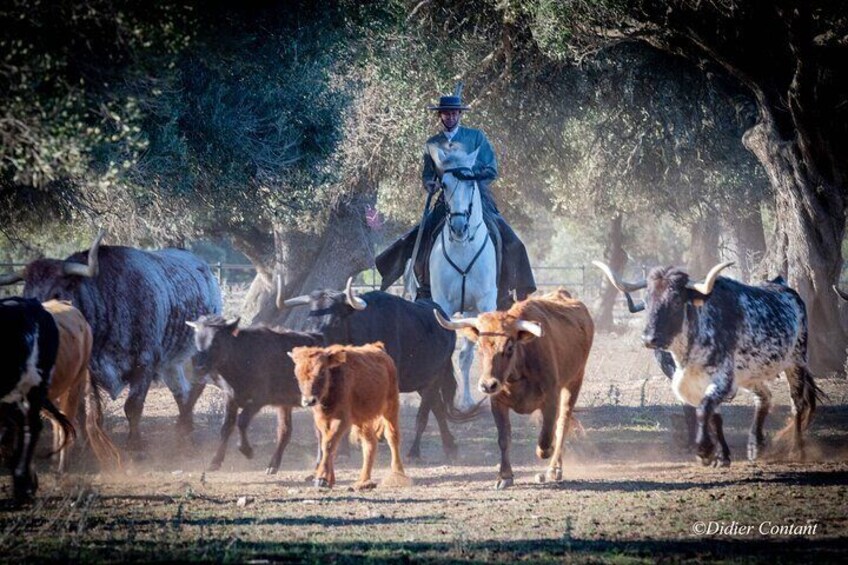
<point x="253" y="369"/>
<point x="724" y="335"/>
<point x="30" y="341"/>
<point x="420" y="348"/>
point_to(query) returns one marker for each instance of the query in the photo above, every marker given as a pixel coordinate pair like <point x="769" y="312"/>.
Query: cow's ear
<point x="696" y="298"/>
<point x="336" y="358"/>
<point x="192" y="325"/>
<point x="525" y="336"/>
<point x="289" y="353"/>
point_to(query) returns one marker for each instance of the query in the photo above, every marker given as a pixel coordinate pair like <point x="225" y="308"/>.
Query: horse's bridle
<point x="461" y="174"/>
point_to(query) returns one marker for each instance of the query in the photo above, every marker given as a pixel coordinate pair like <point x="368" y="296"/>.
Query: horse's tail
<point x="104" y="449"/>
<point x="447" y="392"/>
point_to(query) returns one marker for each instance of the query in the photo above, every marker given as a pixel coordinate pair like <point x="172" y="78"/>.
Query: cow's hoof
<point x="544" y="453"/>
<point x="271" y="470"/>
<point x="321" y="483"/>
<point x="553" y="475"/>
<point x="185" y="426"/>
<point x="414" y="455"/>
<point x="721" y="462"/>
<point x="504" y="483"/>
<point x="365" y="485"/>
<point x="451" y="452"/>
<point x="136" y="444"/>
<point x="246" y="450"/>
<point x="214" y="466"/>
<point x="706" y="461"/>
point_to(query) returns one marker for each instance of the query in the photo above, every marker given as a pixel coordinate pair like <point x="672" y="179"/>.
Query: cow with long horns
<point x="137" y="303"/>
<point x="420" y="349"/>
<point x="533" y="357"/>
<point x="724" y="335"/>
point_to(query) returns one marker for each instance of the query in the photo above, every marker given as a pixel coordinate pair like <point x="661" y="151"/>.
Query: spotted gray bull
<point x="724" y="335"/>
<point x="137" y="303"/>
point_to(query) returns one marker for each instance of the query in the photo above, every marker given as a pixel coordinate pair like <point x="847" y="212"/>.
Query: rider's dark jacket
<point x="515" y="266"/>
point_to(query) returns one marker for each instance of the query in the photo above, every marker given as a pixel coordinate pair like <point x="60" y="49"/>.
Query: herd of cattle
<point x="115" y="317"/>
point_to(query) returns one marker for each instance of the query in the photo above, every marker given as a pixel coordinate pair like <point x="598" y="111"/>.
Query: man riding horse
<point x="514" y="273"/>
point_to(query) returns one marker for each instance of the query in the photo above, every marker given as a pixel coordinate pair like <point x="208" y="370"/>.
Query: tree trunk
<point x="806" y="247"/>
<point x="746" y="240"/>
<point x="617" y="258"/>
<point x="307" y="262"/>
<point x="703" y="246"/>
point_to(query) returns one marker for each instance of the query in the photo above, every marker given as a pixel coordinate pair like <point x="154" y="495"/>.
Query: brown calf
<point x="533" y="357"/>
<point x="351" y="386"/>
<point x="71" y="379"/>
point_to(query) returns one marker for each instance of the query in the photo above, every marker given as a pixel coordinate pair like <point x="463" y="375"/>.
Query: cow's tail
<point x="447" y="392"/>
<point x="104" y="450"/>
<point x="68" y="431"/>
<point x="811" y="395"/>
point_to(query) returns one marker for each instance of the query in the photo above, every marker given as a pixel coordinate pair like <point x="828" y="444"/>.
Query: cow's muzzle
<point x="308" y="401"/>
<point x="489" y="386"/>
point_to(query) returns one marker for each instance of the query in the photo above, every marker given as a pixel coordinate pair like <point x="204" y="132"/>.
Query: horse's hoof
<point x="365" y="485"/>
<point x="321" y="483"/>
<point x="414" y="455"/>
<point x="246" y="450"/>
<point x="540" y="478"/>
<point x="504" y="483"/>
<point x="553" y="475"/>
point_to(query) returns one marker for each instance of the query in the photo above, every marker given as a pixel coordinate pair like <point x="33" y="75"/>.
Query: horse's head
<point x="462" y="196"/>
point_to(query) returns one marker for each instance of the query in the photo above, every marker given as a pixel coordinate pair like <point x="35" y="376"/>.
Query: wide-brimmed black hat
<point x="451" y="102"/>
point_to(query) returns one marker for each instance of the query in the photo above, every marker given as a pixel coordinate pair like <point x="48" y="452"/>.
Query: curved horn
<point x="93" y="267"/>
<point x="842" y="294"/>
<point x="301" y="300"/>
<point x="621" y="285"/>
<point x="532" y="327"/>
<point x="352" y="300"/>
<point x="455" y="325"/>
<point x="11" y="278"/>
<point x="279" y="300"/>
<point x="706" y="287"/>
<point x="634" y="308"/>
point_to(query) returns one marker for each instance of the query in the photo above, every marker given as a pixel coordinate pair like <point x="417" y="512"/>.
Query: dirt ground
<point x="628" y="492"/>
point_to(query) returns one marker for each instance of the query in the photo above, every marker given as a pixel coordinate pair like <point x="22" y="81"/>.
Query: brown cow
<point x="71" y="379"/>
<point x="351" y="386"/>
<point x="533" y="357"/>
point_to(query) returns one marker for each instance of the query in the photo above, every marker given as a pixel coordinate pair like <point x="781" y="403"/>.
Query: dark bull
<point x="420" y="348"/>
